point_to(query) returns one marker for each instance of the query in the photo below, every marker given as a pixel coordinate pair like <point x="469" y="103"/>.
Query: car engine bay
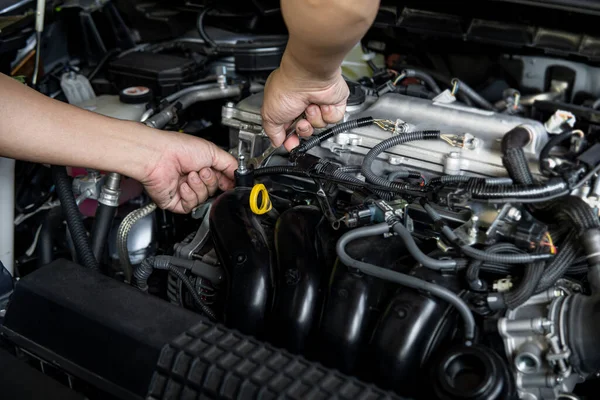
<point x="441" y="242"/>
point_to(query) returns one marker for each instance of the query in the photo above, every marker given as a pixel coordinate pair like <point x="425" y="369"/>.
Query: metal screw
<point x="454" y="154"/>
<point x="242" y="164"/>
<point x="230" y="104"/>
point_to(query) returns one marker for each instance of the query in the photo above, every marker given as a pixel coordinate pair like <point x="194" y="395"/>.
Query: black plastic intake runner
<point x="213" y="362"/>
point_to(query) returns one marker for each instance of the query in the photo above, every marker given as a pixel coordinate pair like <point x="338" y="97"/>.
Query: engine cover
<point x="481" y="156"/>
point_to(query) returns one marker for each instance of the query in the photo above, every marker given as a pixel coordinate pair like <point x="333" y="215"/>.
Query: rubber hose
<point x="192" y="290"/>
<point x="404" y="175"/>
<point x="429" y="81"/>
<point x="202" y="32"/>
<point x="559" y="266"/>
<point x="472" y="276"/>
<point x="402" y="279"/>
<point x="479" y="189"/>
<point x="517" y="138"/>
<point x="101" y="228"/>
<point x="474" y="96"/>
<point x="81" y="241"/>
<point x="516" y="164"/>
<point x="444" y="179"/>
<point x="418" y="255"/>
<point x="371" y="156"/>
<point x="445" y="79"/>
<point x="551" y="144"/>
<point x="398" y="175"/>
<point x="314" y="140"/>
<point x="527" y="286"/>
<point x="123" y="233"/>
<point x="502" y="258"/>
<point x="45" y="245"/>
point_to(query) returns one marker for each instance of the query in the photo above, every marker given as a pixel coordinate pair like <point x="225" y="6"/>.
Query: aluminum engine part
<point x="535" y="343"/>
<point x="483" y="129"/>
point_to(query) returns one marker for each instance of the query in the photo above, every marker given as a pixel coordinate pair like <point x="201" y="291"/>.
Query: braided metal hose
<point x="123" y="233"/>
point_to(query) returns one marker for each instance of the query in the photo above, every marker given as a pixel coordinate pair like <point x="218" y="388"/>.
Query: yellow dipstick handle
<point x="265" y="204"/>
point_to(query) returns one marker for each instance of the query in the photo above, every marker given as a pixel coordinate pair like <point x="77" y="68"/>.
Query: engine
<point x="439" y="242"/>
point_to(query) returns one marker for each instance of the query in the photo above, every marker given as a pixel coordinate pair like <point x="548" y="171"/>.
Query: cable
<point x="552" y="143"/>
<point x="202" y="32"/>
<point x="559" y="266"/>
<point x="371" y="156"/>
<point x="422" y="76"/>
<point x="314" y="140"/>
<point x="102" y="62"/>
<point x="587" y="177"/>
<point x="472" y="94"/>
<point x="531" y="279"/>
<point x="480" y="190"/>
<point x="297" y="171"/>
<point x="402" y="279"/>
<point x="480" y="254"/>
<point x="192" y="290"/>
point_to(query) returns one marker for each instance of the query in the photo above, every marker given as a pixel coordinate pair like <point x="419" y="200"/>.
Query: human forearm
<point x="36" y="128"/>
<point x="321" y="32"/>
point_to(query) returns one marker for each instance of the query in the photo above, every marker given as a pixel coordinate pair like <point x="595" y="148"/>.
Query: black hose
<point x="513" y="156"/>
<point x="473" y="95"/>
<point x="515" y="162"/>
<point x="78" y="233"/>
<point x="445" y="179"/>
<point x="559" y="266"/>
<point x="401" y="174"/>
<point x="340" y="174"/>
<point x="402" y="279"/>
<point x="206" y="310"/>
<point x="102" y="62"/>
<point x="429" y="81"/>
<point x="481" y="254"/>
<point x="371" y="156"/>
<point x="480" y="190"/>
<point x="504" y="258"/>
<point x="298" y="171"/>
<point x="551" y="144"/>
<point x="202" y="31"/>
<point x="314" y="140"/>
<point x="527" y="286"/>
<point x="101" y="228"/>
<point x="45" y="245"/>
<point x="421" y="257"/>
<point x="143" y="271"/>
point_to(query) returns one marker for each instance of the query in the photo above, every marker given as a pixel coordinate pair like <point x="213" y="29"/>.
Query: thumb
<point x="223" y="162"/>
<point x="275" y="132"/>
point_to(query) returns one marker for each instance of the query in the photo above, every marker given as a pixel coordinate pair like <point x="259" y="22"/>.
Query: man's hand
<point x="187" y="172"/>
<point x="290" y="92"/>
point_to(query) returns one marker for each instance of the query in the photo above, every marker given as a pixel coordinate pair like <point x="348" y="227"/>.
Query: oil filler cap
<point x="135" y="95"/>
